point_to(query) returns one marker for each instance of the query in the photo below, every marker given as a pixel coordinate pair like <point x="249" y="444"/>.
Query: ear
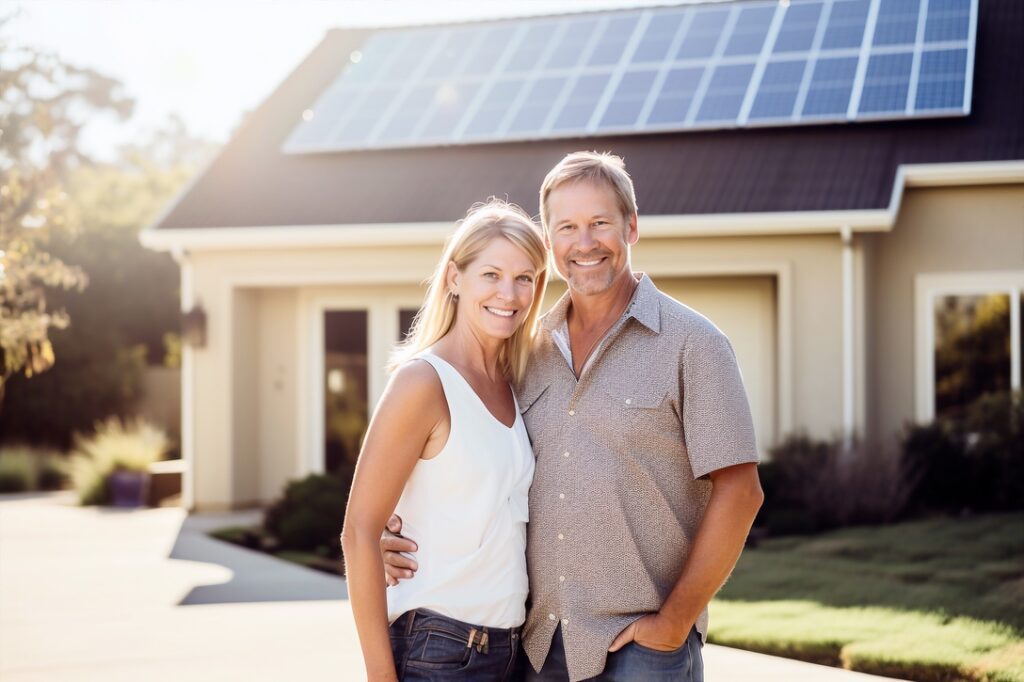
<point x="633" y="233"/>
<point x="547" y="239"/>
<point x="452" y="277"/>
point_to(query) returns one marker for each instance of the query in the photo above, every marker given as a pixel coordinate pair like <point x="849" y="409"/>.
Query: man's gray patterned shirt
<point x="622" y="461"/>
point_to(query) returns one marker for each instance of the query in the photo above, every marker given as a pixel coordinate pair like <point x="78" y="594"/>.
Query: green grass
<point x="933" y="600"/>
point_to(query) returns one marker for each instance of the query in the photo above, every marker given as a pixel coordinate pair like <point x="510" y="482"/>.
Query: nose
<point x="585" y="240"/>
<point x="506" y="289"/>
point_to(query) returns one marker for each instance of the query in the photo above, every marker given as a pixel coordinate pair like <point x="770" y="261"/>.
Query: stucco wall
<point x="254" y="399"/>
<point x="938" y="230"/>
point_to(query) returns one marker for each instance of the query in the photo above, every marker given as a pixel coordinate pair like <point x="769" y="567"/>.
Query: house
<point x="838" y="184"/>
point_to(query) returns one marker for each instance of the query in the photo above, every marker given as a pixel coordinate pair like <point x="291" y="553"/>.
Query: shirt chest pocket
<point x="636" y="406"/>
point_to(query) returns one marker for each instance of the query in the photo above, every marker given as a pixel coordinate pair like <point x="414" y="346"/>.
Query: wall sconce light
<point x="193" y="327"/>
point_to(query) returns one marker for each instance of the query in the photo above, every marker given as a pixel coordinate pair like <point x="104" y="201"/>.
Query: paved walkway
<point x="105" y="594"/>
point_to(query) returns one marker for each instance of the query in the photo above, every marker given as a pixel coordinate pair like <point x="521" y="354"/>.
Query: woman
<point x="447" y="450"/>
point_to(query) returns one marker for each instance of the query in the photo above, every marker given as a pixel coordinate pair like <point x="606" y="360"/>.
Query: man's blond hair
<point x="594" y="167"/>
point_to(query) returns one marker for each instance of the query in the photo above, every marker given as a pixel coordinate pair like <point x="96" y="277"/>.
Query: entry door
<point x="345" y="387"/>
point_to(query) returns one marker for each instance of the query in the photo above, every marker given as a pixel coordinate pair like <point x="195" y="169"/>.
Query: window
<point x="969" y="339"/>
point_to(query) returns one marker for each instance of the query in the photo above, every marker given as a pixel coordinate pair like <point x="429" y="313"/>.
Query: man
<point x="646" y="483"/>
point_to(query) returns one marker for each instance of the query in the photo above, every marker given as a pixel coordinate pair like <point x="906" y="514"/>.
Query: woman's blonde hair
<point x="483" y="223"/>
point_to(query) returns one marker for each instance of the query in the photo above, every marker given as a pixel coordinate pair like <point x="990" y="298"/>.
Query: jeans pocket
<point x="440" y="650"/>
<point x="659" y="652"/>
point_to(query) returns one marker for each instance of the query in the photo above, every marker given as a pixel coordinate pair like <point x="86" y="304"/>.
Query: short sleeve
<point x="717" y="425"/>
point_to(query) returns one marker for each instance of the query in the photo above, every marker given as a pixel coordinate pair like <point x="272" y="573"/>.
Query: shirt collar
<point x="645" y="307"/>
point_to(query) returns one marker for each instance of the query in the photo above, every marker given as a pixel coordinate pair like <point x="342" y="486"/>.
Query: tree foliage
<point x="44" y="105"/>
<point x="127" y="317"/>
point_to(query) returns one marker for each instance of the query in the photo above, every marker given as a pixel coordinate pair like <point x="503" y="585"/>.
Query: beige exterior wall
<point x="938" y="230"/>
<point x="255" y="404"/>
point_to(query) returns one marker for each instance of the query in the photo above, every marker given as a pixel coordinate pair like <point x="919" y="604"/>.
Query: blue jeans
<point x="428" y="646"/>
<point x="631" y="663"/>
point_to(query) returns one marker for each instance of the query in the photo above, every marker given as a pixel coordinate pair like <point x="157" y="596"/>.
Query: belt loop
<point x="409" y="622"/>
<point x="482" y="646"/>
<point x="472" y="636"/>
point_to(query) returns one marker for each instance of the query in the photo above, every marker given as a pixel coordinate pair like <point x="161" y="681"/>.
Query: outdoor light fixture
<point x="193" y="327"/>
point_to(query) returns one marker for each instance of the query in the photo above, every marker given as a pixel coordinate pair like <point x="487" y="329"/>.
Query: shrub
<point x="814" y="485"/>
<point x="24" y="468"/>
<point x="17" y="471"/>
<point x="972" y="462"/>
<point x="310" y="515"/>
<point x="133" y="444"/>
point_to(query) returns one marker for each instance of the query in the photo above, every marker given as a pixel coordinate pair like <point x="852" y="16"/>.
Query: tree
<point x="44" y="104"/>
<point x="122" y="321"/>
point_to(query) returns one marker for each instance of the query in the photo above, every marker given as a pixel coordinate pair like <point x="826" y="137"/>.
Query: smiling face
<point x="589" y="236"/>
<point x="496" y="289"/>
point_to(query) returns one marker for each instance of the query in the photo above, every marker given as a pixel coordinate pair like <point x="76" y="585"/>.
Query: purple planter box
<point x="128" y="488"/>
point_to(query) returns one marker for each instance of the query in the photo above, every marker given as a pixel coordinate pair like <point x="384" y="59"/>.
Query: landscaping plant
<point x="133" y="445"/>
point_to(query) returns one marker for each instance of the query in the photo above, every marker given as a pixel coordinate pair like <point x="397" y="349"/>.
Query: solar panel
<point x="738" y="64"/>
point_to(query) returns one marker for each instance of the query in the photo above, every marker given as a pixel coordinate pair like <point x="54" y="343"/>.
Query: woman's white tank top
<point x="467" y="510"/>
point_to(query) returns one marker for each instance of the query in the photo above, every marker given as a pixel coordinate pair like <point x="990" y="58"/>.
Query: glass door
<point x="345" y="388"/>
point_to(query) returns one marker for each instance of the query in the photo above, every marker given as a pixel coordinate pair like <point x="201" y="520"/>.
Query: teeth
<point x="588" y="262"/>
<point x="502" y="313"/>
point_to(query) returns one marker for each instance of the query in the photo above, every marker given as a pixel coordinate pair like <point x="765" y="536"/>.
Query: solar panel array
<point x="718" y="65"/>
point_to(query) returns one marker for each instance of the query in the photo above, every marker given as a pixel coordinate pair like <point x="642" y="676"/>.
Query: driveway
<point x="105" y="594"/>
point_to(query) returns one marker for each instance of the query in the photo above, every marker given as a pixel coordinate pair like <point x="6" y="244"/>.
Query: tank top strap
<point x="456" y="391"/>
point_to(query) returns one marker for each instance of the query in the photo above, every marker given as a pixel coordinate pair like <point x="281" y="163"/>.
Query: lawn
<point x="933" y="600"/>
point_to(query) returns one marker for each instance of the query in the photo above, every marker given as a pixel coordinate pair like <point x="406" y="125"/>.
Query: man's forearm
<point x="719" y="541"/>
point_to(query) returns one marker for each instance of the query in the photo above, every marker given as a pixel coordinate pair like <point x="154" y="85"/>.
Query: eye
<point x="564" y="228"/>
<point x="491" y="275"/>
<point x="525" y="278"/>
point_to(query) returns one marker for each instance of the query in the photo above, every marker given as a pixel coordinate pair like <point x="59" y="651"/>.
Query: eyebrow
<point x="593" y="217"/>
<point x="495" y="267"/>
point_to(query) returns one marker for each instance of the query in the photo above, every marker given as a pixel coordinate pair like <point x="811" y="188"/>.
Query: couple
<point x="640" y="486"/>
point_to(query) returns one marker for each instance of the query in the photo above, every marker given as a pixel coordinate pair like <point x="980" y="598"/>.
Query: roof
<point x="800" y="168"/>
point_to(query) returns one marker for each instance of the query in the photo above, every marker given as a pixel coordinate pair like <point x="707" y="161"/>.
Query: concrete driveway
<point x="106" y="594"/>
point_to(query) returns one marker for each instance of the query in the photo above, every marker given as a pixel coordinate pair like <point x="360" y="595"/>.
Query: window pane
<point x="345" y="386"/>
<point x="405" y="318"/>
<point x="972" y="350"/>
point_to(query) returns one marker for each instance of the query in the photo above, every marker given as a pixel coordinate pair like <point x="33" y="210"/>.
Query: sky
<point x="210" y="61"/>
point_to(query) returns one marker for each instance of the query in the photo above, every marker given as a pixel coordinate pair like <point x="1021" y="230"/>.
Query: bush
<point x="24" y="468"/>
<point x="973" y="462"/>
<point x="133" y="445"/>
<point x="814" y="485"/>
<point x="310" y="515"/>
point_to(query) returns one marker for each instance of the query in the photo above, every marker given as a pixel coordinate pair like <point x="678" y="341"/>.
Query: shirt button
<point x="572" y="413"/>
<point x="561" y="537"/>
<point x="561" y="496"/>
<point x="565" y="454"/>
<point x="551" y="616"/>
<point x="565" y="621"/>
<point x="629" y="401"/>
<point x="561" y="578"/>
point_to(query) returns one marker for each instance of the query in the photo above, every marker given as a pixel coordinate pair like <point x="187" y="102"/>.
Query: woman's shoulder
<point x="416" y="377"/>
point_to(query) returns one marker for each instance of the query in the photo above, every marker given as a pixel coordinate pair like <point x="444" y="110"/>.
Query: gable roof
<point x="831" y="167"/>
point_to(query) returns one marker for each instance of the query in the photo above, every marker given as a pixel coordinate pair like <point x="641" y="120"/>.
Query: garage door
<point x="743" y="308"/>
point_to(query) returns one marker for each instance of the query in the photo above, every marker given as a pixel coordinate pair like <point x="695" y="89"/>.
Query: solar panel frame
<point x="466" y="81"/>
